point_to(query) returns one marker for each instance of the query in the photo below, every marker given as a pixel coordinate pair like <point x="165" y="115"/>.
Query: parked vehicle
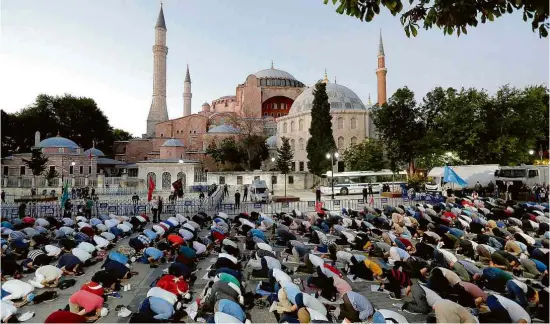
<point x="259" y="191"/>
<point x="353" y="182"/>
<point x="484" y="173"/>
<point x="522" y="176"/>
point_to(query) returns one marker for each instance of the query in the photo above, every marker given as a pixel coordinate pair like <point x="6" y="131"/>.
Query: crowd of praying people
<point x="465" y="260"/>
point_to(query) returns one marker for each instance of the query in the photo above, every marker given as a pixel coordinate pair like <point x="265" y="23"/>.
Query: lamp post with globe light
<point x="332" y="156"/>
<point x="272" y="176"/>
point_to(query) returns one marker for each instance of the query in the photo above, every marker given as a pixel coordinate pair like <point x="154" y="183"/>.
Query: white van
<point x="259" y="191"/>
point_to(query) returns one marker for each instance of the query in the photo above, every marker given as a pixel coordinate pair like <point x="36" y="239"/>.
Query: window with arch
<point x="353" y="140"/>
<point x="152" y="176"/>
<point x="353" y="123"/>
<point x="340" y="143"/>
<point x="340" y="123"/>
<point x="166" y="180"/>
<point x="284" y="128"/>
<point x="301" y="125"/>
<point x="301" y="143"/>
<point x="181" y="176"/>
<point x="292" y="126"/>
<point x="292" y="144"/>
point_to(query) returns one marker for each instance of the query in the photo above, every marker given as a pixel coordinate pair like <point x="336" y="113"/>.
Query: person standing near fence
<point x="318" y="194"/>
<point x="160" y="203"/>
<point x="225" y="190"/>
<point x="245" y="192"/>
<point x="3" y="196"/>
<point x="154" y="209"/>
<point x="237" y="199"/>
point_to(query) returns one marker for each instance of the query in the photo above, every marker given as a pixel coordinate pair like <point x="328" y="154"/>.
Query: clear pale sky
<point x="102" y="49"/>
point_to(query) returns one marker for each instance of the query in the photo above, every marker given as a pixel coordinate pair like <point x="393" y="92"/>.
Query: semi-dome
<point x="58" y="141"/>
<point x="339" y="97"/>
<point x="173" y="142"/>
<point x="224" y="129"/>
<point x="271" y="141"/>
<point x="94" y="152"/>
<point x="274" y="74"/>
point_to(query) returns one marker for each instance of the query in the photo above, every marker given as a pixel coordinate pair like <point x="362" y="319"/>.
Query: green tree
<point x="448" y="15"/>
<point x="284" y="158"/>
<point x="321" y="141"/>
<point x="365" y="156"/>
<point x="9" y="129"/>
<point x="77" y="118"/>
<point x="37" y="163"/>
<point x="50" y="175"/>
<point x="121" y="135"/>
<point x="215" y="153"/>
<point x="401" y="128"/>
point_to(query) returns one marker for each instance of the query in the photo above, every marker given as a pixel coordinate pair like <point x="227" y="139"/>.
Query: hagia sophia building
<point x="282" y="102"/>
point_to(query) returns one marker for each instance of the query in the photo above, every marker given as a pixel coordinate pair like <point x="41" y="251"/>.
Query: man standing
<point x="318" y="194"/>
<point x="370" y="189"/>
<point x="225" y="190"/>
<point x="154" y="209"/>
<point x="3" y="196"/>
<point x="237" y="199"/>
<point x="365" y="193"/>
<point x="245" y="193"/>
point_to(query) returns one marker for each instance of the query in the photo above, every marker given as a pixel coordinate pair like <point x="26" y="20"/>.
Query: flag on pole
<point x="151" y="188"/>
<point x="449" y="175"/>
<point x="65" y="195"/>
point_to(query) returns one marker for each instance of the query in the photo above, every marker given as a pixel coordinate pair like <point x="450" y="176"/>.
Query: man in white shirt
<point x="81" y="254"/>
<point x="46" y="276"/>
<point x="18" y="289"/>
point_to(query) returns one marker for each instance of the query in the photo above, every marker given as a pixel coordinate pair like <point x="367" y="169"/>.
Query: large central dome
<point x="339" y="97"/>
<point x="274" y="74"/>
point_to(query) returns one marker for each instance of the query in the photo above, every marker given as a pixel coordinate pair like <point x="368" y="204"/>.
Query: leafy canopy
<point x="37" y="163"/>
<point x="365" y="156"/>
<point x="321" y="141"/>
<point x="448" y="15"/>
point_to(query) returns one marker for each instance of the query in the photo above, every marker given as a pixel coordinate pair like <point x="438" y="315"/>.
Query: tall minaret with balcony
<point x="381" y="72"/>
<point x="187" y="94"/>
<point x="158" y="111"/>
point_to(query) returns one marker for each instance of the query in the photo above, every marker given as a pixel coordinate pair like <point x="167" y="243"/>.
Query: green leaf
<point x="490" y="16"/>
<point x="376" y="8"/>
<point x="464" y="29"/>
<point x="509" y="8"/>
<point x="334" y="2"/>
<point x="524" y="16"/>
<point x="414" y="31"/>
<point x="407" y="31"/>
<point x="341" y="8"/>
<point x="542" y="31"/>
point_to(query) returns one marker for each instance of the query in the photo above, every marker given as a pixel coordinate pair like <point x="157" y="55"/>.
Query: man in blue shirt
<point x="70" y="264"/>
<point x="356" y="307"/>
<point x="230" y="307"/>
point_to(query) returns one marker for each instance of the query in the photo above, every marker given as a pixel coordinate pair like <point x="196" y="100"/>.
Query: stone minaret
<point x="381" y="73"/>
<point x="187" y="94"/>
<point x="158" y="111"/>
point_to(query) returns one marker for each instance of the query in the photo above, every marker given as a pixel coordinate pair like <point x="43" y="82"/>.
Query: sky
<point x="103" y="49"/>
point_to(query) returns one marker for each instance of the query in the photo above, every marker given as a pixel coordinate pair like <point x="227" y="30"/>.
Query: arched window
<point x="284" y="128"/>
<point x="301" y="124"/>
<point x="153" y="176"/>
<point x="353" y="123"/>
<point x="340" y="143"/>
<point x="293" y="144"/>
<point x="301" y="144"/>
<point x="353" y="140"/>
<point x="181" y="176"/>
<point x="166" y="180"/>
<point x="340" y="123"/>
<point x="292" y="126"/>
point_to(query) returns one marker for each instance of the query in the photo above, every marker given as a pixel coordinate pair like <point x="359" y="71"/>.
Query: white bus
<point x="353" y="182"/>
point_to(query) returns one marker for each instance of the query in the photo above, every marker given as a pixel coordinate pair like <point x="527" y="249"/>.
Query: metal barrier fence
<point x="213" y="203"/>
<point x="121" y="207"/>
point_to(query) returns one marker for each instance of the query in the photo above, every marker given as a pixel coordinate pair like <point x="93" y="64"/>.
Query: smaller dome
<point x="206" y="104"/>
<point x="58" y="141"/>
<point x="94" y="152"/>
<point x="224" y="129"/>
<point x="173" y="142"/>
<point x="271" y="141"/>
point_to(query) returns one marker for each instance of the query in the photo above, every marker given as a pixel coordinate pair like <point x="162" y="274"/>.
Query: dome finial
<point x="334" y="79"/>
<point x="272" y="64"/>
<point x="325" y="80"/>
<point x="58" y="135"/>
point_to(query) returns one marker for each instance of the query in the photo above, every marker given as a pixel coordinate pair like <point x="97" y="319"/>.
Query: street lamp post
<point x="272" y="176"/>
<point x="332" y="156"/>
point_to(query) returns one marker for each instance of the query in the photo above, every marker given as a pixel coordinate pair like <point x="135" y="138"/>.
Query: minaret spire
<point x="381" y="72"/>
<point x="272" y="64"/>
<point x="325" y="80"/>
<point x="158" y="112"/>
<point x="187" y="95"/>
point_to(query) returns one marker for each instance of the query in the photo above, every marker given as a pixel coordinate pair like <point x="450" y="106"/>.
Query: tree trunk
<point x="285" y="184"/>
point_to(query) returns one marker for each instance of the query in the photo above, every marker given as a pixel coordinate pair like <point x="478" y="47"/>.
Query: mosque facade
<point x="275" y="97"/>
